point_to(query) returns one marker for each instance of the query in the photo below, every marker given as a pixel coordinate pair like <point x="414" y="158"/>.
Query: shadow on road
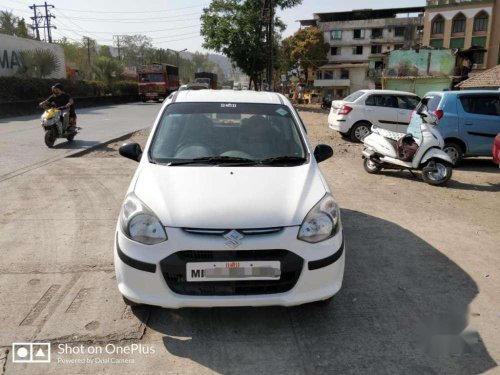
<point x="397" y="291"/>
<point x="76" y="144"/>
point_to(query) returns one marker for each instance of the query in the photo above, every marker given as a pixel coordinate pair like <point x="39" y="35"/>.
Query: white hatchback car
<point x="355" y="115"/>
<point x="228" y="207"/>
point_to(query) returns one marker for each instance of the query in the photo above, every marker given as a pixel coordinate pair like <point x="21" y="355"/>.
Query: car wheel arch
<point x="458" y="141"/>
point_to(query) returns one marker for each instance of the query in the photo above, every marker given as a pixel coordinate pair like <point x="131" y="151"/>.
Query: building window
<point x="327" y="74"/>
<point x="357" y="50"/>
<point x="481" y="22"/>
<point x="336" y="34"/>
<point x="398" y="46"/>
<point x="334" y="51"/>
<point x="344" y="74"/>
<point x="399" y="31"/>
<point x="376" y="48"/>
<point x="478" y="41"/>
<point x="359" y="34"/>
<point x="457" y="42"/>
<point x="478" y="57"/>
<point x="377" y="33"/>
<point x="437" y="25"/>
<point x="458" y="24"/>
<point x="437" y="43"/>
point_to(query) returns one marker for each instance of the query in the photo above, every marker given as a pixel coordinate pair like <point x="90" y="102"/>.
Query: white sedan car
<point x="354" y="116"/>
<point x="228" y="207"/>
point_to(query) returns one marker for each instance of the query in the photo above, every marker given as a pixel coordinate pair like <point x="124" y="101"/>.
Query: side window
<point x="382" y="101"/>
<point x="481" y="104"/>
<point x="372" y="100"/>
<point x="407" y="102"/>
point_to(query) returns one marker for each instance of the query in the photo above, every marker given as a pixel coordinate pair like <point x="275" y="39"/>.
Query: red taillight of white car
<point x="344" y="110"/>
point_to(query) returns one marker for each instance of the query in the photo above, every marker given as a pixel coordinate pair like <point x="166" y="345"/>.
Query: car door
<point x="406" y="105"/>
<point x="479" y="121"/>
<point x="381" y="110"/>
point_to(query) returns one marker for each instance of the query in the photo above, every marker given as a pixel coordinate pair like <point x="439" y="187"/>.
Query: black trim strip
<point x="393" y="122"/>
<point x="134" y="263"/>
<point x="482" y="134"/>
<point x="279" y="97"/>
<point x="320" y="263"/>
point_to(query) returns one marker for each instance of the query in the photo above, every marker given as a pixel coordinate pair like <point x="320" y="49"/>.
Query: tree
<point x="38" y="63"/>
<point x="236" y="28"/>
<point x="135" y="48"/>
<point x="107" y="68"/>
<point x="306" y="48"/>
<point x="12" y="25"/>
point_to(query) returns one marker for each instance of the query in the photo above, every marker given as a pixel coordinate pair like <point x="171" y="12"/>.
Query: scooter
<point x="381" y="150"/>
<point x="55" y="124"/>
<point x="326" y="103"/>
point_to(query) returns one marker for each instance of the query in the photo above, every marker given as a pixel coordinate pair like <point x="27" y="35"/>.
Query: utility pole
<point x="268" y="16"/>
<point x="88" y="48"/>
<point x="37" y="17"/>
<point x="118" y="45"/>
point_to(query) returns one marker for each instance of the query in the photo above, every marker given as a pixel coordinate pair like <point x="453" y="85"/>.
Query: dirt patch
<point x="110" y="149"/>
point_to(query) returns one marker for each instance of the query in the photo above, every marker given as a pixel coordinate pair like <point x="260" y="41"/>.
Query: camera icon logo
<point x="31" y="352"/>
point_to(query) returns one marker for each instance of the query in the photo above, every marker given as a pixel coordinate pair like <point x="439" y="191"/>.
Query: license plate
<point x="223" y="271"/>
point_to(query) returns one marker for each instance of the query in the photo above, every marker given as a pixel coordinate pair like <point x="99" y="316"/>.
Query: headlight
<point x="139" y="223"/>
<point x="322" y="222"/>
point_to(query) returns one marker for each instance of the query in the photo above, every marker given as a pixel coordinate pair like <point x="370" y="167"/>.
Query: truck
<point x="157" y="81"/>
<point x="205" y="78"/>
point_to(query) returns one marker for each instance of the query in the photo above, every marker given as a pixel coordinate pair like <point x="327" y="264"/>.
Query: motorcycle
<point x="55" y="124"/>
<point x="382" y="150"/>
<point x="326" y="103"/>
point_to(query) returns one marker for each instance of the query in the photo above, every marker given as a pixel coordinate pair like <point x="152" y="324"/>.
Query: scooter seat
<point x="388" y="134"/>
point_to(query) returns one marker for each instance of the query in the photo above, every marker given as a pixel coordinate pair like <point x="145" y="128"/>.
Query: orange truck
<point x="157" y="81"/>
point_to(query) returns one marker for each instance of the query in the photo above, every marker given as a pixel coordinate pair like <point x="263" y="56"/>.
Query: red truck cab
<point x="157" y="81"/>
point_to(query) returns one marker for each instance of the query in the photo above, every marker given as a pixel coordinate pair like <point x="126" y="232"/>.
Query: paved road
<point x="21" y="138"/>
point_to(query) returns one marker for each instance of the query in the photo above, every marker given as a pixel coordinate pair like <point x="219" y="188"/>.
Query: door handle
<point x="369" y="110"/>
<point x="469" y="123"/>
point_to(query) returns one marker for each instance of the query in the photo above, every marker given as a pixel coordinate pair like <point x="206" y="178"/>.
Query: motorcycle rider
<point x="59" y="98"/>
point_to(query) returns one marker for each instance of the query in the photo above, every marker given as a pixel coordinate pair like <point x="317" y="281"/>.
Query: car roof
<point x="391" y="92"/>
<point x="462" y="92"/>
<point x="231" y="96"/>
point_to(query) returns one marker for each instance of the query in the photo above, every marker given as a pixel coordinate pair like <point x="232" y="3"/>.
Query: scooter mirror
<point x="429" y="118"/>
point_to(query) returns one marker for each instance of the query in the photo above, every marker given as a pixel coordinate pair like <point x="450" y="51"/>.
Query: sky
<point x="171" y="24"/>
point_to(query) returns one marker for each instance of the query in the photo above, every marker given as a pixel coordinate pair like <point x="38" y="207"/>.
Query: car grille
<point x="174" y="271"/>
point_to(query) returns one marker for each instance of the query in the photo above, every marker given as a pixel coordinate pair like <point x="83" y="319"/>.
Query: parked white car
<point x="354" y="116"/>
<point x="228" y="207"/>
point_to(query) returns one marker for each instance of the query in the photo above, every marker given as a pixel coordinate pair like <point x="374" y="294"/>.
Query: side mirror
<point x="322" y="152"/>
<point x="131" y="151"/>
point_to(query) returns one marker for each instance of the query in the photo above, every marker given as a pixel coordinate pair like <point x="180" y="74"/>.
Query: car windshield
<point x="223" y="133"/>
<point x="152" y="77"/>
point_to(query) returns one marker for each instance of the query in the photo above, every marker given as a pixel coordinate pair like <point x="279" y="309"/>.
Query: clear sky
<point x="171" y="23"/>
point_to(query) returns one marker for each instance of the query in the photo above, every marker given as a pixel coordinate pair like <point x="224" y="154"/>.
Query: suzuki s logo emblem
<point x="233" y="239"/>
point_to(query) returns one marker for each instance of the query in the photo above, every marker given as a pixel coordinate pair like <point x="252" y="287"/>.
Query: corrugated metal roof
<point x="489" y="78"/>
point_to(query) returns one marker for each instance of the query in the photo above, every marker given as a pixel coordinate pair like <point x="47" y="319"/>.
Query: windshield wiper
<point x="215" y="160"/>
<point x="284" y="160"/>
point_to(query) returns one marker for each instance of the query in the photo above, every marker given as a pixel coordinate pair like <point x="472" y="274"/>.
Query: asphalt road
<point x="417" y="258"/>
<point x="21" y="138"/>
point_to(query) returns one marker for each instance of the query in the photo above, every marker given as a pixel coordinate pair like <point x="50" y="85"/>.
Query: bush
<point x="17" y="88"/>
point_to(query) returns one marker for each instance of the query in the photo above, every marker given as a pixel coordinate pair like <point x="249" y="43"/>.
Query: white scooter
<point x="381" y="149"/>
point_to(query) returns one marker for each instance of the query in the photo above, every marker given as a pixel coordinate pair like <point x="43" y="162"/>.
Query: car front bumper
<point x="142" y="277"/>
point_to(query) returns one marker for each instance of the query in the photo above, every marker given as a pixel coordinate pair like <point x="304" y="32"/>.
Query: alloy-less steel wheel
<point x="50" y="138"/>
<point x="370" y="166"/>
<point x="454" y="151"/>
<point x="360" y="131"/>
<point x="436" y="172"/>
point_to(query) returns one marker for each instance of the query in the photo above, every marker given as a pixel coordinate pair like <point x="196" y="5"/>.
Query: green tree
<point x="107" y="68"/>
<point x="38" y="63"/>
<point x="135" y="48"/>
<point x="236" y="28"/>
<point x="306" y="48"/>
<point x="12" y="25"/>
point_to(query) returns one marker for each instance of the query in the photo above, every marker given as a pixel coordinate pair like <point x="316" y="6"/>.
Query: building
<point x="358" y="43"/>
<point x="461" y="24"/>
<point x="487" y="80"/>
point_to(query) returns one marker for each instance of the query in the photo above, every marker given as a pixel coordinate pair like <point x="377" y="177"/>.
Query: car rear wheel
<point x="360" y="131"/>
<point x="454" y="151"/>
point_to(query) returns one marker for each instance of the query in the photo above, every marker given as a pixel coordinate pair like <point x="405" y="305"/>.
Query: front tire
<point x="454" y="151"/>
<point x="360" y="131"/>
<point x="50" y="138"/>
<point x="436" y="172"/>
<point x="370" y="166"/>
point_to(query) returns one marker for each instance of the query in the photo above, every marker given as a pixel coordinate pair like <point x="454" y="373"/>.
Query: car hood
<point x="230" y="197"/>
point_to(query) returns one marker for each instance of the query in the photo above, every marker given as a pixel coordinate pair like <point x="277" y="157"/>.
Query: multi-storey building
<point x="464" y="24"/>
<point x="358" y="42"/>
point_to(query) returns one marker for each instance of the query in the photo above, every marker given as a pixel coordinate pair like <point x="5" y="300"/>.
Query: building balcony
<point x="332" y="82"/>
